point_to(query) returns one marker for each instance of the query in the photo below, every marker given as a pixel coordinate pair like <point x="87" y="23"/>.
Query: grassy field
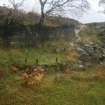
<point x="45" y="53"/>
<point x="57" y="88"/>
<point x="72" y="88"/>
<point x="7" y="57"/>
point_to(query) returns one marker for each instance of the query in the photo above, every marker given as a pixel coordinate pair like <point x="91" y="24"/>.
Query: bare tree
<point x="55" y="7"/>
<point x="14" y="14"/>
<point x="16" y="4"/>
<point x="12" y="19"/>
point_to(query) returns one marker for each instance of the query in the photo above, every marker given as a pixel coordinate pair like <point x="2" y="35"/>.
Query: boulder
<point x="91" y="53"/>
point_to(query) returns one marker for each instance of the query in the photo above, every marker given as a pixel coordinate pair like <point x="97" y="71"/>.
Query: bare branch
<point x="15" y="4"/>
<point x="54" y="7"/>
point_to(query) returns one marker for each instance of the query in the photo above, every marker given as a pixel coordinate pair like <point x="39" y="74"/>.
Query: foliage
<point x="43" y="52"/>
<point x="84" y="87"/>
<point x="90" y="34"/>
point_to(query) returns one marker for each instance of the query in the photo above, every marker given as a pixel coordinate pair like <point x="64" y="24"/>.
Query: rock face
<point x="60" y="50"/>
<point x="91" y="53"/>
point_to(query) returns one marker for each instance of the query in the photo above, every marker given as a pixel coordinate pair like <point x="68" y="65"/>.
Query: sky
<point x="94" y="14"/>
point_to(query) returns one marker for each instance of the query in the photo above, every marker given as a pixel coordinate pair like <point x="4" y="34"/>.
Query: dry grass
<point x="69" y="88"/>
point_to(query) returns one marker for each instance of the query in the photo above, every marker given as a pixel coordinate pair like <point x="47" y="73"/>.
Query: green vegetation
<point x="45" y="53"/>
<point x="67" y="79"/>
<point x="90" y="34"/>
<point x="18" y="56"/>
<point x="81" y="88"/>
<point x="56" y="88"/>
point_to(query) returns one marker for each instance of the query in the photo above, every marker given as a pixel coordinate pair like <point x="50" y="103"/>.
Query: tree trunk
<point x="42" y="17"/>
<point x="41" y="22"/>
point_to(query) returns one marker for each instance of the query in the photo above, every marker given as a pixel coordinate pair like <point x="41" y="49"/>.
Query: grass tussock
<point x="56" y="88"/>
<point x="69" y="88"/>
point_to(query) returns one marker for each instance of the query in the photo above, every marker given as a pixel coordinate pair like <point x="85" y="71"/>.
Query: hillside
<point x="32" y="17"/>
<point x="22" y="26"/>
<point x="59" y="63"/>
<point x="80" y="45"/>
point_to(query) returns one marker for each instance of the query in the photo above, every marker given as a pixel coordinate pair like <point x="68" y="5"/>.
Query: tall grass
<point x="10" y="56"/>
